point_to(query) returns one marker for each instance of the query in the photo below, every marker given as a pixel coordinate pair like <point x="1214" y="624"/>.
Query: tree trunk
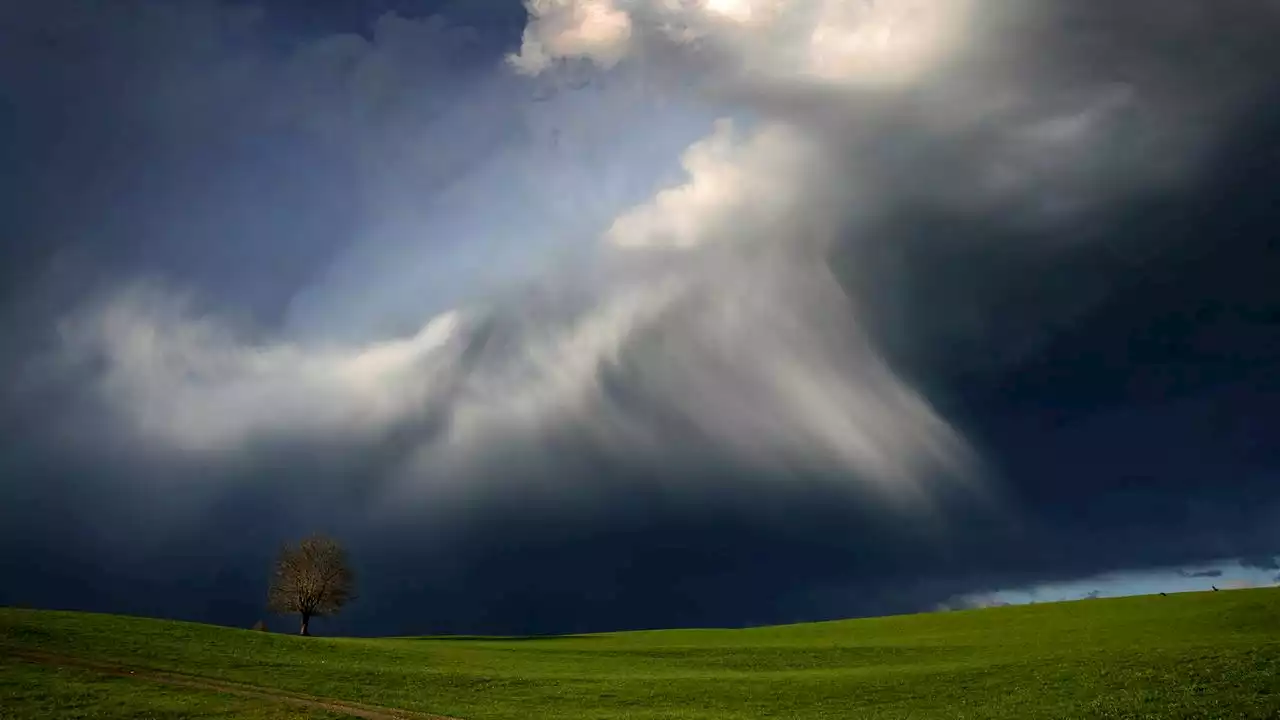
<point x="306" y="624"/>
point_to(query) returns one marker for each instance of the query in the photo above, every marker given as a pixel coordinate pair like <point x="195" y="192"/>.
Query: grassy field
<point x="1204" y="655"/>
<point x="30" y="690"/>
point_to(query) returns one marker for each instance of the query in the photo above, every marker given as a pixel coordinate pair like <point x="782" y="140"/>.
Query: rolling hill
<point x="1200" y="655"/>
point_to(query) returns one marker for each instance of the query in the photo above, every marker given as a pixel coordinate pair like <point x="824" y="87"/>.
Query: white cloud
<point x="192" y="383"/>
<point x="884" y="42"/>
<point x="743" y="11"/>
<point x="841" y="41"/>
<point x="560" y="29"/>
<point x="731" y="183"/>
<point x="770" y="362"/>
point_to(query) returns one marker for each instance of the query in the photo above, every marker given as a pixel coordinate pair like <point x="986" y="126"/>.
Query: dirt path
<point x="360" y="710"/>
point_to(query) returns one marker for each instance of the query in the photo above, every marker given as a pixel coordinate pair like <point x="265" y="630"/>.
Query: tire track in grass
<point x="196" y="682"/>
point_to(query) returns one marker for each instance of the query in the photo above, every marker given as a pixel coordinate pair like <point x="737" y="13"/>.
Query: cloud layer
<point x="715" y="302"/>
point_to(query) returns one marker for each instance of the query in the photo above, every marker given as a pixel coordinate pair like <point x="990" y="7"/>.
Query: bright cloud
<point x="595" y="29"/>
<point x="891" y="41"/>
<point x="728" y="179"/>
<point x="843" y="41"/>
<point x="193" y="384"/>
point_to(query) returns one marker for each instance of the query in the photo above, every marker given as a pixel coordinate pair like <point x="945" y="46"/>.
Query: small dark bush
<point x="260" y="626"/>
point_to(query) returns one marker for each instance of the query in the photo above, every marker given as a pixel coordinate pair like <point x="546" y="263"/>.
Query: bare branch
<point x="313" y="578"/>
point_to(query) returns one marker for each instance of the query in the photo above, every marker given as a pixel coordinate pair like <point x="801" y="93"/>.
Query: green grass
<point x="1205" y="655"/>
<point x="37" y="691"/>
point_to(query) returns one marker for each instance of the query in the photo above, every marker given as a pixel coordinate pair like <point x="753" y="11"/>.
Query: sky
<point x="581" y="315"/>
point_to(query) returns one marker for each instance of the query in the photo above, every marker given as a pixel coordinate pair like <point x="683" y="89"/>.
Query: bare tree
<point x="313" y="579"/>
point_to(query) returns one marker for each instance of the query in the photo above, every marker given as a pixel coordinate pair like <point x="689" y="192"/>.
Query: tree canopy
<point x="313" y="578"/>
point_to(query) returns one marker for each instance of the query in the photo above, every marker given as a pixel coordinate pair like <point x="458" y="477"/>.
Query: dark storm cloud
<point x="1106" y="123"/>
<point x="1200" y="573"/>
<point x="1261" y="562"/>
<point x="1111" y="365"/>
